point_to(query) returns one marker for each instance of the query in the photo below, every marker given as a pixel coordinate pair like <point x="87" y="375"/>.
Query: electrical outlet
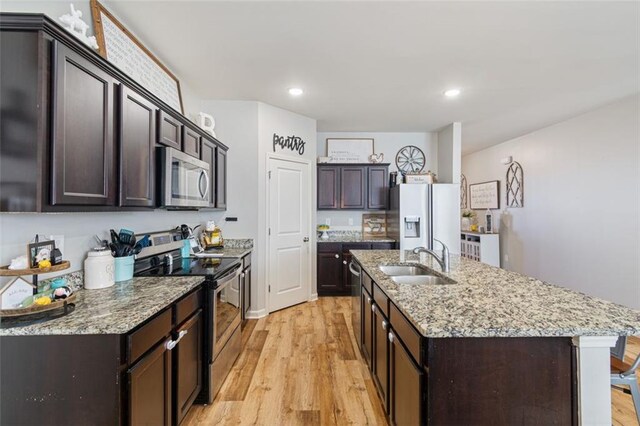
<point x="350" y="221"/>
<point x="327" y="221"/>
<point x="506" y="257"/>
<point x="59" y="240"/>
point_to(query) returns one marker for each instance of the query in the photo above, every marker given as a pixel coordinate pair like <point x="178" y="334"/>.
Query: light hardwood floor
<point x="300" y="366"/>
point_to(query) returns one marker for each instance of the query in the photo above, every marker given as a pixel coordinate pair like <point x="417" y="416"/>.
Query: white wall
<point x="387" y="143"/>
<point x="56" y="8"/>
<point x="579" y="227"/>
<point x="450" y="153"/>
<point x="248" y="127"/>
<point x="17" y="229"/>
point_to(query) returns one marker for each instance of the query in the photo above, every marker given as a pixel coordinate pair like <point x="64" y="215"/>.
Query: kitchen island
<point x="489" y="347"/>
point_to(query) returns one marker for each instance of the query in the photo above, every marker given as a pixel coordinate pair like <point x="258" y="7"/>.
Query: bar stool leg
<point x="635" y="394"/>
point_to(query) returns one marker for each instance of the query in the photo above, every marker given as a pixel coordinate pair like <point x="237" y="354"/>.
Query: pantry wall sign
<point x="293" y="143"/>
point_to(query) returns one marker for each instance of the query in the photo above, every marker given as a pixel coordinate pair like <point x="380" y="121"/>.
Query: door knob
<point x="305" y="239"/>
<point x="337" y="256"/>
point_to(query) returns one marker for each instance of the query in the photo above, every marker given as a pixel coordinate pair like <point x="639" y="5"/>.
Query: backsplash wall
<point x="17" y="230"/>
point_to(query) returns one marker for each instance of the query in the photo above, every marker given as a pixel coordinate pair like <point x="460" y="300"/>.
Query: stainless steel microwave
<point x="184" y="180"/>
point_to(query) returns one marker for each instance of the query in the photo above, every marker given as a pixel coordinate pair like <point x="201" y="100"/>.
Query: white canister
<point x="98" y="269"/>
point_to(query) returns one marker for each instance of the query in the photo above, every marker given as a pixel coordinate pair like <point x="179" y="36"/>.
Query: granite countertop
<point x="114" y="310"/>
<point x="491" y="302"/>
<point x="236" y="253"/>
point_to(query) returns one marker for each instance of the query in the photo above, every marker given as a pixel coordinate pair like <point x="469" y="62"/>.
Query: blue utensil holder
<point x="123" y="268"/>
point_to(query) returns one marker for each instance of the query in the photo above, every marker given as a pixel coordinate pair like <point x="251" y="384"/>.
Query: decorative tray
<point x="37" y="309"/>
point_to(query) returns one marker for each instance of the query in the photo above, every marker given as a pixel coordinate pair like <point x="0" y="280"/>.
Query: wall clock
<point x="410" y="159"/>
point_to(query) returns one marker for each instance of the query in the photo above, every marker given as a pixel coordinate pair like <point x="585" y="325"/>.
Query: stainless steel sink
<point x="401" y="270"/>
<point x="422" y="280"/>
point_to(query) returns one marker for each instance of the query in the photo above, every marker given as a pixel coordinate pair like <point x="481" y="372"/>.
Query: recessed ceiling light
<point x="296" y="91"/>
<point x="452" y="93"/>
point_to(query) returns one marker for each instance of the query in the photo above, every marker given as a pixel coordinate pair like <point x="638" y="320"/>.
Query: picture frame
<point x="484" y="195"/>
<point x="120" y="47"/>
<point x="350" y="150"/>
<point x="40" y="250"/>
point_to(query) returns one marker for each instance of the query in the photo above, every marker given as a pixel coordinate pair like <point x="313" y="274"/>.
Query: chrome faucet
<point x="443" y="260"/>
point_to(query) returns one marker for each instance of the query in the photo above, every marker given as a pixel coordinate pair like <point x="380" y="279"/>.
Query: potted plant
<point x="467" y="217"/>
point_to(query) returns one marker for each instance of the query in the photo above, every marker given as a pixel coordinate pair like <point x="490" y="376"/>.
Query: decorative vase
<point x="324" y="235"/>
<point x="465" y="224"/>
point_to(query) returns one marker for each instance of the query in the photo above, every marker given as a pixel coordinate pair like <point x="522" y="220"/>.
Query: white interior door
<point x="289" y="221"/>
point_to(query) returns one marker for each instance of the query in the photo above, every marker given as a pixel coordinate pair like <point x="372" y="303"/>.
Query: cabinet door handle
<point x="172" y="343"/>
<point x="384" y="325"/>
<point x="337" y="256"/>
<point x="391" y="337"/>
<point x="344" y="262"/>
<point x="368" y="300"/>
<point x="373" y="308"/>
<point x="242" y="275"/>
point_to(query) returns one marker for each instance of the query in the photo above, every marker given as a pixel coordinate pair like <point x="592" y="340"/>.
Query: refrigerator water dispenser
<point x="412" y="227"/>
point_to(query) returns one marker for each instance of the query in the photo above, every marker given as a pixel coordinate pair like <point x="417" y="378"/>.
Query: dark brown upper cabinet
<point x="137" y="149"/>
<point x="353" y="187"/>
<point x="378" y="187"/>
<point x="328" y="187"/>
<point x="208" y="154"/>
<point x="169" y="130"/>
<point x="82" y="160"/>
<point x="221" y="178"/>
<point x="69" y="142"/>
<point x="191" y="141"/>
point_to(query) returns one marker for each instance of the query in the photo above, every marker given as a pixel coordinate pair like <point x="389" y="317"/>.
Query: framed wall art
<point x="349" y="150"/>
<point x="124" y="50"/>
<point x="484" y="195"/>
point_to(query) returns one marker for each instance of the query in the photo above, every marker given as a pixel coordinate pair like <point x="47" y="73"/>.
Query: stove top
<point x="210" y="268"/>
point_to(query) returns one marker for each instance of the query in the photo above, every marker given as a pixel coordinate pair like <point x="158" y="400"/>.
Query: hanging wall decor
<point x="515" y="185"/>
<point x="410" y="159"/>
<point x="485" y="195"/>
<point x="463" y="192"/>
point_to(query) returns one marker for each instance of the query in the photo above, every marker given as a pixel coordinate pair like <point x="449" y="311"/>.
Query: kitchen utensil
<point x="114" y="236"/>
<point x="126" y="236"/>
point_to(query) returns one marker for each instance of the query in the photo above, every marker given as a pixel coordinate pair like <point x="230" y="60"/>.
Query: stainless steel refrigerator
<point x="418" y="213"/>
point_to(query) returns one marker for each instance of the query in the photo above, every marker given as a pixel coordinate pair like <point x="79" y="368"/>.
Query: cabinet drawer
<point x="143" y="339"/>
<point x="381" y="300"/>
<point x="246" y="261"/>
<point x="405" y="331"/>
<point x="367" y="282"/>
<point x="329" y="247"/>
<point x="188" y="305"/>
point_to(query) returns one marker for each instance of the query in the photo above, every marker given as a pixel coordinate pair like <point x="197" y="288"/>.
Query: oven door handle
<point x="223" y="281"/>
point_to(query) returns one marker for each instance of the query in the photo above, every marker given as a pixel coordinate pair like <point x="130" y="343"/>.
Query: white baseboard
<point x="313" y="297"/>
<point x="261" y="313"/>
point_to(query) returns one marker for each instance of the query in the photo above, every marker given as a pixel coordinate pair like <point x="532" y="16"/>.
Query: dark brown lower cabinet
<point x="406" y="386"/>
<point x="333" y="275"/>
<point x="380" y="370"/>
<point x="150" y="388"/>
<point x="189" y="363"/>
<point x="367" y="332"/>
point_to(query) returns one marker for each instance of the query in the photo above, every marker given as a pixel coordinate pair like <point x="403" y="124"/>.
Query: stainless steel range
<point x="222" y="305"/>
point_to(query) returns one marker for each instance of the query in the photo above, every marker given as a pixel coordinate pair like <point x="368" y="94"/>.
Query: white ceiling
<point x="382" y="66"/>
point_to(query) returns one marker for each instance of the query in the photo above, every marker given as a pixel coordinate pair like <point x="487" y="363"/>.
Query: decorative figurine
<point x="376" y="158"/>
<point x="207" y="123"/>
<point x="75" y="25"/>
